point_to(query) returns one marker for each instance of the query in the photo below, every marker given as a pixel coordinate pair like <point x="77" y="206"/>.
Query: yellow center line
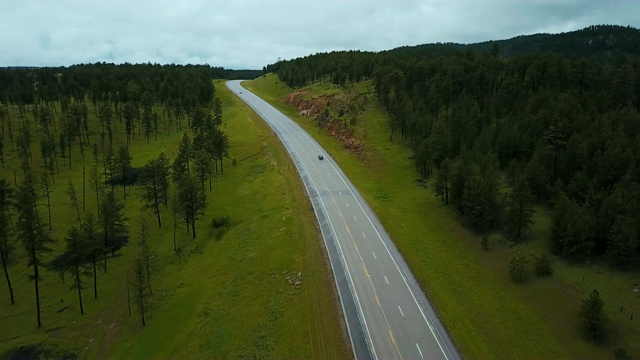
<point x="375" y="293"/>
<point x="393" y="340"/>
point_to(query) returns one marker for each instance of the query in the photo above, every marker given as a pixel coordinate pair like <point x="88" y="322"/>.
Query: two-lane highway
<point x="387" y="314"/>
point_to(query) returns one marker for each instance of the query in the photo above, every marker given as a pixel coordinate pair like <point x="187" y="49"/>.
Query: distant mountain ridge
<point x="592" y="41"/>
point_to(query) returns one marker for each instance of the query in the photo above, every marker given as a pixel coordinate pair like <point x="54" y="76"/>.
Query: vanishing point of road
<point x="386" y="312"/>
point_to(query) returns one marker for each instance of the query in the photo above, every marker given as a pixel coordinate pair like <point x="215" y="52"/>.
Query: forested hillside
<point x="180" y="87"/>
<point x="600" y="42"/>
<point x="230" y="74"/>
<point x="504" y="131"/>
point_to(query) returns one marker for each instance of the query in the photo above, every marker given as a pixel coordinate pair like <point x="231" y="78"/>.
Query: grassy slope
<point x="227" y="298"/>
<point x="487" y="316"/>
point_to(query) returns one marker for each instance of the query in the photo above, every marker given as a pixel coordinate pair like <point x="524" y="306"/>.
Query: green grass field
<point x="263" y="290"/>
<point x="486" y="315"/>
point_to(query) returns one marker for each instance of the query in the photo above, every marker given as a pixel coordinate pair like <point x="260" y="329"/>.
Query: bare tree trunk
<point x="95" y="277"/>
<point x="36" y="276"/>
<point x="106" y="249"/>
<point x="46" y="185"/>
<point x="84" y="189"/>
<point x="79" y="289"/>
<point x="128" y="294"/>
<point x="6" y="275"/>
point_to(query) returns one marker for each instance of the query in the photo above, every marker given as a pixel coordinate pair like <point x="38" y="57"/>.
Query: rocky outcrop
<point x="315" y="106"/>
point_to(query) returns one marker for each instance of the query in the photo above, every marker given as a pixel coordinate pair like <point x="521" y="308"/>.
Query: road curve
<point x="387" y="314"/>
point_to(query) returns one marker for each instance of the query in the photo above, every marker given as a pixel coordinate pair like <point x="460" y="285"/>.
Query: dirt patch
<point x="294" y="279"/>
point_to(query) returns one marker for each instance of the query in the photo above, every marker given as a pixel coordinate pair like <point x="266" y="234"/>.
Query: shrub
<point x="621" y="354"/>
<point x="219" y="226"/>
<point x="219" y="222"/>
<point x="484" y="241"/>
<point x="543" y="266"/>
<point x="518" y="269"/>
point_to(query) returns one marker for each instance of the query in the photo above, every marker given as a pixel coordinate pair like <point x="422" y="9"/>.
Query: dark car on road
<point x="320" y="157"/>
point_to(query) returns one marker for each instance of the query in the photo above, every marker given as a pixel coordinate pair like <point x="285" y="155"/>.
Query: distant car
<point x="320" y="157"/>
<point x="240" y="92"/>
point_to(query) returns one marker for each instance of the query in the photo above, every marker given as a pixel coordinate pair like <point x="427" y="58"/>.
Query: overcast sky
<point x="253" y="33"/>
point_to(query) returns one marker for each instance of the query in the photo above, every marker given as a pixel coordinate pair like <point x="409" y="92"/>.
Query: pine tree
<point x="75" y="258"/>
<point x="624" y="244"/>
<point x="109" y="165"/>
<point x="123" y="160"/>
<point x="113" y="224"/>
<point x="146" y="252"/>
<point x="150" y="185"/>
<point x="180" y="165"/>
<point x="192" y="200"/>
<point x="94" y="183"/>
<point x="163" y="176"/>
<point x="73" y="197"/>
<point x="202" y="165"/>
<point x="442" y="181"/>
<point x="479" y="200"/>
<point x="140" y="284"/>
<point x="519" y="212"/>
<point x="93" y="246"/>
<point x="31" y="234"/>
<point x="46" y="152"/>
<point x="105" y="117"/>
<point x="47" y="193"/>
<point x="221" y="146"/>
<point x="129" y="115"/>
<point x="71" y="129"/>
<point x="593" y="316"/>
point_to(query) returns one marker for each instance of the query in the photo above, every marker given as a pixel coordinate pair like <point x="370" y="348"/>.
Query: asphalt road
<point x="387" y="314"/>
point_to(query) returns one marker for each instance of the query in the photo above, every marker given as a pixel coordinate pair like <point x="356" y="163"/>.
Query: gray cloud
<point x="253" y="33"/>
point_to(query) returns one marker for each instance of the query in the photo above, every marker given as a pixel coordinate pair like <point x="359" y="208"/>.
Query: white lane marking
<point x="422" y="356"/>
<point x="365" y="236"/>
<point x="355" y="218"/>
<point x="374" y="255"/>
<point x="347" y="204"/>
<point x="401" y="312"/>
<point x="385" y="279"/>
<point x="334" y="183"/>
<point x="327" y="173"/>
